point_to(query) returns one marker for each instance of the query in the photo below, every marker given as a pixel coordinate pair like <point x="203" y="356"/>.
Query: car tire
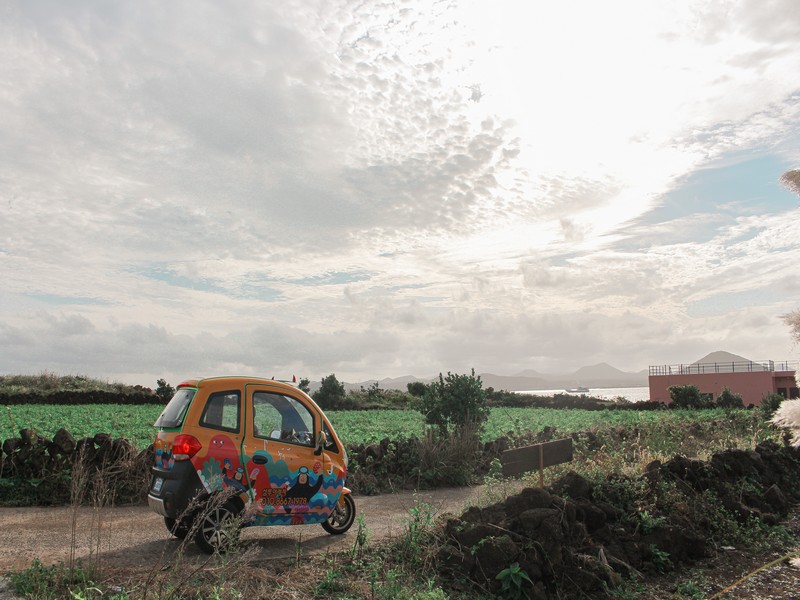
<point x="218" y="526"/>
<point x="180" y="529"/>
<point x="342" y="516"/>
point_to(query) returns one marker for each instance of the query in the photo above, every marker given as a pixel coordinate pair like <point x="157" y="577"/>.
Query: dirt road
<point x="135" y="536"/>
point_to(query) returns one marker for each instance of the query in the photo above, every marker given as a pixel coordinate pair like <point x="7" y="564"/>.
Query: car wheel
<point x="180" y="529"/>
<point x="342" y="516"/>
<point x="218" y="527"/>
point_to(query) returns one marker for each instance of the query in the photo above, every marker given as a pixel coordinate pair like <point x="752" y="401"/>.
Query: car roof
<point x="233" y="380"/>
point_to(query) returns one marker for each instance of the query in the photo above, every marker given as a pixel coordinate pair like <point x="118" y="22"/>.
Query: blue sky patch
<point x="68" y="300"/>
<point x="725" y="302"/>
<point x="333" y="278"/>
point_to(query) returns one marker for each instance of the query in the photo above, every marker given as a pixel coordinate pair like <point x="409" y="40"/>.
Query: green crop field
<point x="354" y="427"/>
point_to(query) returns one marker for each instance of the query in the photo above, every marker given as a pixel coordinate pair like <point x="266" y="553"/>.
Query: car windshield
<point x="173" y="413"/>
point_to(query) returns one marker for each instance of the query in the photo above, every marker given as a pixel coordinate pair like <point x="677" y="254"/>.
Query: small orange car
<point x="246" y="451"/>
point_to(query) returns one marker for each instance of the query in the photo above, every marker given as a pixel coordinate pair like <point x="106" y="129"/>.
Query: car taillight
<point x="185" y="447"/>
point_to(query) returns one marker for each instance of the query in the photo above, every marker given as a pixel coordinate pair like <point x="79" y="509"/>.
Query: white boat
<point x="577" y="390"/>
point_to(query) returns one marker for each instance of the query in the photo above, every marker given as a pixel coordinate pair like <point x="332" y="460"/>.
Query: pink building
<point x="751" y="380"/>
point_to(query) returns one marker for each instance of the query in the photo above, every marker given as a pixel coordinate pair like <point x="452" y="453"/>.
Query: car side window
<point x="280" y="417"/>
<point x="330" y="444"/>
<point x="222" y="411"/>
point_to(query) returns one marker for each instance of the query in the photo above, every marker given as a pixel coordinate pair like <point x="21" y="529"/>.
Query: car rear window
<point x="175" y="411"/>
<point x="222" y="411"/>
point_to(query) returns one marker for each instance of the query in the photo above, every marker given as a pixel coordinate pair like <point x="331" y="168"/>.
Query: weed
<point x="512" y="579"/>
<point x="362" y="537"/>
<point x="54" y="581"/>
<point x="659" y="558"/>
<point x="689" y="589"/>
<point x="629" y="589"/>
<point x="649" y="523"/>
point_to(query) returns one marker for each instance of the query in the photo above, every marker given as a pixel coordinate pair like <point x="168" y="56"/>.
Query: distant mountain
<point x="601" y="375"/>
<point x="531" y="373"/>
<point x="598" y="376"/>
<point x="599" y="371"/>
<point x="604" y="375"/>
<point x="514" y="383"/>
<point x="721" y="357"/>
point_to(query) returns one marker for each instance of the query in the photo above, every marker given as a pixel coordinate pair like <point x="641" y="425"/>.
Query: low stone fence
<point x="83" y="397"/>
<point x="35" y="470"/>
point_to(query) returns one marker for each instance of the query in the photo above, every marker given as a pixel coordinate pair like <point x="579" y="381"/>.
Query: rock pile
<point x="576" y="538"/>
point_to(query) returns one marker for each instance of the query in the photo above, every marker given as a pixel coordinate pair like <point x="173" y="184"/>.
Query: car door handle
<point x="260" y="459"/>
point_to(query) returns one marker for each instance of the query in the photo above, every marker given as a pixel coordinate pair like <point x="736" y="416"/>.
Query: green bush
<point x="416" y="388"/>
<point x="770" y="404"/>
<point x="727" y="399"/>
<point x="689" y="396"/>
<point x="454" y="402"/>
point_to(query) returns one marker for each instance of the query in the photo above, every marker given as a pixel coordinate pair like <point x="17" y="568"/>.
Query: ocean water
<point x="632" y="394"/>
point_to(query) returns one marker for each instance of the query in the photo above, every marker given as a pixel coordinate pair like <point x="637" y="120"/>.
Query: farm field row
<point x="354" y="427"/>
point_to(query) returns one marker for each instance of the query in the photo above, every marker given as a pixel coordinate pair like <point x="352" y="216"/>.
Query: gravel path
<point x="136" y="536"/>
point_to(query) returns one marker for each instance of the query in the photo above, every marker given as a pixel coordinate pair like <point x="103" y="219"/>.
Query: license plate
<point x="157" y="484"/>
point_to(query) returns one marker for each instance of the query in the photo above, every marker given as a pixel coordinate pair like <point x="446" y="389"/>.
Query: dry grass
<point x="46" y="382"/>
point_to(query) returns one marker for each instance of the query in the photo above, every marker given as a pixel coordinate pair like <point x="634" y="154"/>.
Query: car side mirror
<point x="322" y="439"/>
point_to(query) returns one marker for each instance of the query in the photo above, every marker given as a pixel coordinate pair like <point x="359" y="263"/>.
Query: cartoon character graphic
<point x="302" y="490"/>
<point x="167" y="461"/>
<point x="237" y="481"/>
<point x="223" y="453"/>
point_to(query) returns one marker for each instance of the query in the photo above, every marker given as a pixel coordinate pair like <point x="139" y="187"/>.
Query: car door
<point x="285" y="471"/>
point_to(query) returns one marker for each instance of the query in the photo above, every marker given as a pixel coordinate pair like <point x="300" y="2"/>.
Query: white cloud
<point x="190" y="187"/>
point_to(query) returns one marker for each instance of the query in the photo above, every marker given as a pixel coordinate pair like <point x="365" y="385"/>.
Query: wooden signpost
<point x="538" y="456"/>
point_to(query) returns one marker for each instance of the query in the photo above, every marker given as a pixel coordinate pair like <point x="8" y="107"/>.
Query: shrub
<point x="727" y="399"/>
<point x="688" y="396"/>
<point x="455" y="401"/>
<point x="770" y="404"/>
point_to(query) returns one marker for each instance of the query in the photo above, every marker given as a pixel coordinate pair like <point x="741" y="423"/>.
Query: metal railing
<point x="725" y="367"/>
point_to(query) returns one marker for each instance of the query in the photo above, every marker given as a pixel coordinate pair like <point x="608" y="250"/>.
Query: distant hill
<point x="604" y="375"/>
<point x="601" y="375"/>
<point x="531" y="373"/>
<point x="721" y="356"/>
<point x="514" y="383"/>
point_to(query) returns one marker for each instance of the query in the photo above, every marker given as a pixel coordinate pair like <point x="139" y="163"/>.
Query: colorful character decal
<point x="220" y="467"/>
<point x="302" y="491"/>
<point x="163" y="454"/>
<point x="289" y="492"/>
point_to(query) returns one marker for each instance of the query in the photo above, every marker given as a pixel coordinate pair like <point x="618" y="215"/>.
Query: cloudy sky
<point x="377" y="189"/>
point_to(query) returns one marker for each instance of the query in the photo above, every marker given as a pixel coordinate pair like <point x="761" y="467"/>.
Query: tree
<point x="454" y="402"/>
<point x="791" y="181"/>
<point x="330" y="394"/>
<point x="164" y="390"/>
<point x="304" y="385"/>
<point x="792" y="319"/>
<point x="416" y="388"/>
